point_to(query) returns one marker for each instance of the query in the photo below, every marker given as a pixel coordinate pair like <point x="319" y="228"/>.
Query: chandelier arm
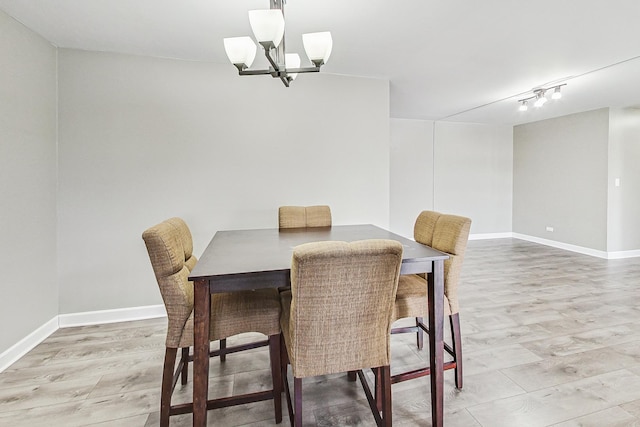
<point x="284" y="80"/>
<point x="267" y="54"/>
<point x="255" y="72"/>
<point x="302" y="70"/>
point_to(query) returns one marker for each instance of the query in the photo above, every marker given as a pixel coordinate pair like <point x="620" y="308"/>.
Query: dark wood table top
<point x="239" y="252"/>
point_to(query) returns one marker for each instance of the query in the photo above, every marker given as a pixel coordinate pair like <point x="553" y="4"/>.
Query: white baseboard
<point x="561" y="245"/>
<point x="111" y="316"/>
<point x="624" y="254"/>
<point x="485" y="236"/>
<point x="22" y="347"/>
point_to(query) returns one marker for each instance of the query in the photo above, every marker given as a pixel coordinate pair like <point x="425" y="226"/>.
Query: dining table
<point x="237" y="260"/>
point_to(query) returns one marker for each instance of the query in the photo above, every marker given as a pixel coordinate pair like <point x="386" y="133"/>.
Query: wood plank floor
<point x="551" y="338"/>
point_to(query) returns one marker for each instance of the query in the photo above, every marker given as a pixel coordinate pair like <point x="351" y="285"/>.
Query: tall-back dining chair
<point x="337" y="315"/>
<point x="446" y="233"/>
<point x="422" y="233"/>
<point x="170" y="248"/>
<point x="304" y="216"/>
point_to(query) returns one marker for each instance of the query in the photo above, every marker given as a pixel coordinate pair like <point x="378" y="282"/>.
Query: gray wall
<point x="459" y="168"/>
<point x="143" y="139"/>
<point x="560" y="179"/>
<point x="473" y="174"/>
<point x="29" y="295"/>
<point x="624" y="202"/>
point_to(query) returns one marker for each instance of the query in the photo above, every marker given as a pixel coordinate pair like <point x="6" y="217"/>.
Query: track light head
<point x="540" y="98"/>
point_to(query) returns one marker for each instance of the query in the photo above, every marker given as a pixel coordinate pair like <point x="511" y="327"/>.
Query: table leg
<point x="201" y="318"/>
<point x="436" y="343"/>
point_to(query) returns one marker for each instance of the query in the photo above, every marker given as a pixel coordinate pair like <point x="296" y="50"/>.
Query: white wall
<point x="560" y="179"/>
<point x="623" y="201"/>
<point x="411" y="180"/>
<point x="143" y="139"/>
<point x="459" y="168"/>
<point x="29" y="294"/>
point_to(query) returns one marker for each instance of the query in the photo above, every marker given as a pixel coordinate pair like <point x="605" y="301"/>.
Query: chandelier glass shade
<point x="240" y="50"/>
<point x="292" y="60"/>
<point x="318" y="47"/>
<point x="268" y="28"/>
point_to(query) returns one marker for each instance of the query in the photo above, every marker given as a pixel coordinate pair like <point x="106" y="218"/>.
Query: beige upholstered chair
<point x="337" y="315"/>
<point x="446" y="233"/>
<point x="422" y="233"/>
<point x="301" y="216"/>
<point x="170" y="249"/>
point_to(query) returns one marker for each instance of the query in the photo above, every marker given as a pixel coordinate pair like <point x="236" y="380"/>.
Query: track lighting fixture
<point x="540" y="97"/>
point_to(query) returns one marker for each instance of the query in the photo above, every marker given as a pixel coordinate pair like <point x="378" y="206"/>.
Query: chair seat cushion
<point x="411" y="299"/>
<point x="239" y="312"/>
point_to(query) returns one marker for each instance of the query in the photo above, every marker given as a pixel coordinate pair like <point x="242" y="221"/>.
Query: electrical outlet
<point x="549" y="228"/>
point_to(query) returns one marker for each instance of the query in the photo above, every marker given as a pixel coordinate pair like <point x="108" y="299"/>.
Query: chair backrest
<point x="450" y="235"/>
<point x="423" y="228"/>
<point x="342" y="300"/>
<point x="170" y="248"/>
<point x="304" y="216"/>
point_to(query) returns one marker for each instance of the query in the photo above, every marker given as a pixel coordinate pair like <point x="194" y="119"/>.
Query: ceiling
<point x="456" y="60"/>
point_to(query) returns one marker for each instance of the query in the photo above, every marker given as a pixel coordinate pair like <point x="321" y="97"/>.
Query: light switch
<point x="617" y="182"/>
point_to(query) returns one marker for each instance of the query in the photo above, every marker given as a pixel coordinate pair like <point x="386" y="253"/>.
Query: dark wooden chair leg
<point x="223" y="346"/>
<point x="377" y="379"/>
<point x="419" y="334"/>
<point x="276" y="375"/>
<point x="454" y="321"/>
<point x="351" y="375"/>
<point x="287" y="394"/>
<point x="297" y="402"/>
<point x="184" y="375"/>
<point x="167" y="385"/>
<point x="284" y="362"/>
<point x="385" y="385"/>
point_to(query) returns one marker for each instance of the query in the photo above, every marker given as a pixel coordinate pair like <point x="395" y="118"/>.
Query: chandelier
<point x="540" y="96"/>
<point x="268" y="29"/>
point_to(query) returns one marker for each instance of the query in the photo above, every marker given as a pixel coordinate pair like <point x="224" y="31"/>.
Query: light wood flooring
<point x="551" y="338"/>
